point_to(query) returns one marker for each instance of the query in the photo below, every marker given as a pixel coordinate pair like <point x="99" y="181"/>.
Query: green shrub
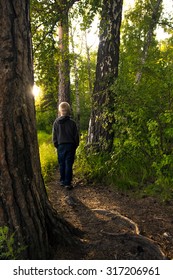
<point x="8" y="250"/>
<point x="90" y="164"/>
<point x="163" y="185"/>
<point x="48" y="158"/>
<point x="126" y="170"/>
<point x="48" y="155"/>
<point x="44" y="137"/>
<point x="45" y="119"/>
<point x="121" y="168"/>
<point x="127" y="167"/>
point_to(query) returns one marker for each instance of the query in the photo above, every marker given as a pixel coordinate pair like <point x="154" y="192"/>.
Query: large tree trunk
<point x="24" y="206"/>
<point x="100" y="128"/>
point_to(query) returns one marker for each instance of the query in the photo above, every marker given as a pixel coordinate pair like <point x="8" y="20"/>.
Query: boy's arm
<point x="54" y="136"/>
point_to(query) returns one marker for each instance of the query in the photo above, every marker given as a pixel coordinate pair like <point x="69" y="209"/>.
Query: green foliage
<point x="84" y="90"/>
<point x="45" y="120"/>
<point x="87" y="9"/>
<point x="142" y="157"/>
<point x="44" y="20"/>
<point x="48" y="155"/>
<point x="45" y="17"/>
<point x="122" y="168"/>
<point x="43" y="136"/>
<point x="8" y="250"/>
<point x="143" y="112"/>
<point x="48" y="158"/>
<point x="89" y="164"/>
<point x="143" y="150"/>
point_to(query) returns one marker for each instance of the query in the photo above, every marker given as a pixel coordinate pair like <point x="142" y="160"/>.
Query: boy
<point x="66" y="140"/>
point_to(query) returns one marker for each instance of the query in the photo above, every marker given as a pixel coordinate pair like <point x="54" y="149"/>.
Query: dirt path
<point x="114" y="222"/>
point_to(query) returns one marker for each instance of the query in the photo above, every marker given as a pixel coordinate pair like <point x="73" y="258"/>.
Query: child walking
<point x="66" y="140"/>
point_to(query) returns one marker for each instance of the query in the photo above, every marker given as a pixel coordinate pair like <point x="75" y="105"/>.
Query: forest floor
<point x="116" y="224"/>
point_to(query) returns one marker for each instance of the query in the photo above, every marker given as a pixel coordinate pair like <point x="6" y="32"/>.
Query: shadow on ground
<point x="115" y="225"/>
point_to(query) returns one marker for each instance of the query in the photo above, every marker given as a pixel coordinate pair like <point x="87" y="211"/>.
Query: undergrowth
<point x="44" y="137"/>
<point x="48" y="155"/>
<point x="8" y="250"/>
<point x="126" y="168"/>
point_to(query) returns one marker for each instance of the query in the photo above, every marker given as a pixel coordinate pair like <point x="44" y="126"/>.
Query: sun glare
<point x="36" y="91"/>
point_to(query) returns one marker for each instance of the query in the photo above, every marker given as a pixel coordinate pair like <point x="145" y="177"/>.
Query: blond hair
<point x="64" y="109"/>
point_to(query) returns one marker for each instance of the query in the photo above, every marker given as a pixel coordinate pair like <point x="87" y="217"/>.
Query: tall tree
<point x="63" y="7"/>
<point x="76" y="81"/>
<point x="88" y="63"/>
<point x="100" y="128"/>
<point x="64" y="64"/>
<point x="143" y="110"/>
<point x="155" y="7"/>
<point x="24" y="205"/>
<point x="50" y="18"/>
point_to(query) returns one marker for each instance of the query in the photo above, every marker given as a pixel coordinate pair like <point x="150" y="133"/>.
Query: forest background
<point x="141" y="158"/>
<point x="121" y="98"/>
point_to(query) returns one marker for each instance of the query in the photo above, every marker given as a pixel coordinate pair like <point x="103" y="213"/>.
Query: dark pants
<point x="66" y="154"/>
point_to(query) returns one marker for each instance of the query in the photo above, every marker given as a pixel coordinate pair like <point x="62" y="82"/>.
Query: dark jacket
<point x="65" y="131"/>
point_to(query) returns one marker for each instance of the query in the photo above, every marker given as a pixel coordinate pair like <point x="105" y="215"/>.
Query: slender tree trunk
<point x="24" y="206"/>
<point x="152" y="26"/>
<point x="64" y="65"/>
<point x="88" y="64"/>
<point x="100" y="132"/>
<point x="63" y="7"/>
<point x="76" y="78"/>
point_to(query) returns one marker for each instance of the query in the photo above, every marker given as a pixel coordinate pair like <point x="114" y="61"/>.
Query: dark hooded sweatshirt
<point x="65" y="131"/>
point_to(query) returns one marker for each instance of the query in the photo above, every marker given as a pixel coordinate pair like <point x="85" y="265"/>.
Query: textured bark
<point x="64" y="65"/>
<point x="153" y="24"/>
<point x="24" y="206"/>
<point x="100" y="127"/>
<point x="76" y="78"/>
<point x="63" y="7"/>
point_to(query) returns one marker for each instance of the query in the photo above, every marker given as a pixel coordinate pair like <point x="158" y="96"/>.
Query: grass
<point x="44" y="137"/>
<point x="48" y="155"/>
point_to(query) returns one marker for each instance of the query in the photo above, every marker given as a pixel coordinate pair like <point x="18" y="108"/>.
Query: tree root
<point x="139" y="247"/>
<point x="116" y="216"/>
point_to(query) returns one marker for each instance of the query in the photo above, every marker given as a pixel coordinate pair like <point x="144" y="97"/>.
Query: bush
<point x="7" y="245"/>
<point x="44" y="137"/>
<point x="121" y="167"/>
<point x="48" y="155"/>
<point x="45" y="120"/>
<point x="127" y="167"/>
<point x="48" y="158"/>
<point x="90" y="164"/>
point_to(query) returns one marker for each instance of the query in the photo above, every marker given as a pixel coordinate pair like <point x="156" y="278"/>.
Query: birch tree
<point x="100" y="132"/>
<point x="155" y="6"/>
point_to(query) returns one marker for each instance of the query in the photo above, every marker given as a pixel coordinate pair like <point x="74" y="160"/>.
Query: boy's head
<point x="64" y="109"/>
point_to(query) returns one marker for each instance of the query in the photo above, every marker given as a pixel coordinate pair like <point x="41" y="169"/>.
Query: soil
<point x="115" y="224"/>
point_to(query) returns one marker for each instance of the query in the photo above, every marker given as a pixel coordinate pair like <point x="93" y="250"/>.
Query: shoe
<point x="68" y="187"/>
<point x="61" y="183"/>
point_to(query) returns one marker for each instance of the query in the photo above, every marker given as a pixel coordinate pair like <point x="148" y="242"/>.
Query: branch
<point x="45" y="34"/>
